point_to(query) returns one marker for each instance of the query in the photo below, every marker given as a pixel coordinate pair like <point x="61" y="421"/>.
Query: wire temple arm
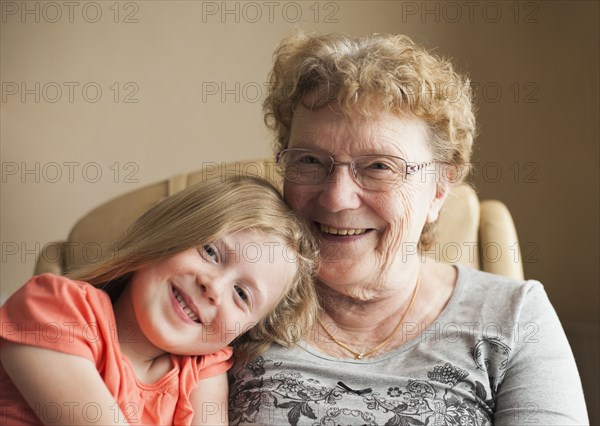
<point x="411" y="169"/>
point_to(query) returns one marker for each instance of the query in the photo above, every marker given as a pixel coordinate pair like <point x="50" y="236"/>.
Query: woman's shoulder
<point x="498" y="296"/>
<point x="474" y="281"/>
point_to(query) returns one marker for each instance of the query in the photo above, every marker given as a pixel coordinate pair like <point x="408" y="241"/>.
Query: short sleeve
<point x="215" y="363"/>
<point x="54" y="312"/>
<point x="542" y="383"/>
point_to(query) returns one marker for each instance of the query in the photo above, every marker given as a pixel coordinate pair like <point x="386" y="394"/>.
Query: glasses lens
<point x="304" y="167"/>
<point x="379" y="172"/>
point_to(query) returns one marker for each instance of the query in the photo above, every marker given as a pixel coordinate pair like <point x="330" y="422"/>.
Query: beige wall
<point x="159" y="64"/>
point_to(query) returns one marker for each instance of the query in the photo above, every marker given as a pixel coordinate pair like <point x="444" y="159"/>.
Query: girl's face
<point x="197" y="301"/>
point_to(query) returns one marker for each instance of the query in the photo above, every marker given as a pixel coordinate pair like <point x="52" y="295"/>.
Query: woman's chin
<point x="337" y="273"/>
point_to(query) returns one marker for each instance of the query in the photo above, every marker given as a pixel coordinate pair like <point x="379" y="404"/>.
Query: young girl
<point x="147" y="341"/>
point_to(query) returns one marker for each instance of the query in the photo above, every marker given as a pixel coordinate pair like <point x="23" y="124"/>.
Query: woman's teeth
<point x="337" y="231"/>
<point x="185" y="307"/>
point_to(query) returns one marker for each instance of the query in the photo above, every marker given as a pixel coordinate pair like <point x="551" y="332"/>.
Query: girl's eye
<point x="242" y="294"/>
<point x="211" y="252"/>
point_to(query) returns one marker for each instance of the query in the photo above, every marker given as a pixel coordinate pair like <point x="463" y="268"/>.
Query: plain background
<point x="100" y="98"/>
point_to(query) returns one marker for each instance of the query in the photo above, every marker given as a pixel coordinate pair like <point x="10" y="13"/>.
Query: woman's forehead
<point x="329" y="128"/>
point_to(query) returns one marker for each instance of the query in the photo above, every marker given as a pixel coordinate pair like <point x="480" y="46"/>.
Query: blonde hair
<point x="370" y="74"/>
<point x="203" y="213"/>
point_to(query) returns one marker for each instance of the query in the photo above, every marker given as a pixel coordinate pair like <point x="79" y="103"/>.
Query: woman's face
<point x="392" y="221"/>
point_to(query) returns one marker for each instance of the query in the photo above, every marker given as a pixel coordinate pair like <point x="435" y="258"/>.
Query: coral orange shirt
<point x="73" y="317"/>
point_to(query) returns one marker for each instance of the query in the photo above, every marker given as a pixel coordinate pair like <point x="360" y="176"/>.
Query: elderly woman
<point x="372" y="133"/>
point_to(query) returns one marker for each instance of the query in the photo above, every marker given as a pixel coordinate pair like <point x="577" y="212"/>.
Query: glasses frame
<point x="411" y="168"/>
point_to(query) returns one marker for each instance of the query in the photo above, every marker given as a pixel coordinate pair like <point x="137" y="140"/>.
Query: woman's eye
<point x="211" y="252"/>
<point x="380" y="166"/>
<point x="308" y="159"/>
<point x="241" y="293"/>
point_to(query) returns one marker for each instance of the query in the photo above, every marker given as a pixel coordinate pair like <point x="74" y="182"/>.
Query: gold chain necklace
<point x="361" y="355"/>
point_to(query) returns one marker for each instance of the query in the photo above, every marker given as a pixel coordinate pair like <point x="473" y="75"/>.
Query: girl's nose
<point x="212" y="289"/>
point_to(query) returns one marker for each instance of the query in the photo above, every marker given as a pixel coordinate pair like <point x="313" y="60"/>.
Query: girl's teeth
<point x="185" y="307"/>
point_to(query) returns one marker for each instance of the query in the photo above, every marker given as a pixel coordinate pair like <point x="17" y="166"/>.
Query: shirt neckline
<point x="160" y="383"/>
<point x="453" y="300"/>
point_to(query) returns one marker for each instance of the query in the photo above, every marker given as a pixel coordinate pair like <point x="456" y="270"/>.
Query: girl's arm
<point x="209" y="400"/>
<point x="65" y="387"/>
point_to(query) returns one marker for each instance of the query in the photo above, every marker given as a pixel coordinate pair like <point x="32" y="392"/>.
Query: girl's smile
<point x="197" y="301"/>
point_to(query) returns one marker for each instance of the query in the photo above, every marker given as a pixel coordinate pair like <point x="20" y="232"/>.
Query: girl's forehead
<point x="255" y="245"/>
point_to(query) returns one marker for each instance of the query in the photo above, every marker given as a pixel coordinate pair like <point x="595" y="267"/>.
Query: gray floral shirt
<point x="496" y="355"/>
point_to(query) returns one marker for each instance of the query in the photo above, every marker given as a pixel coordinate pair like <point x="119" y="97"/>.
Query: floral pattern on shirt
<point x="255" y="395"/>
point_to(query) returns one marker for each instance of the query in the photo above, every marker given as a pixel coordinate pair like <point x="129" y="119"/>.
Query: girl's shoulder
<point x="55" y="312"/>
<point x="50" y="285"/>
<point x="52" y="280"/>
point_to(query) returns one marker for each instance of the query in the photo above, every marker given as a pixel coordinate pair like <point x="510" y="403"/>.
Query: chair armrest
<point x="499" y="245"/>
<point x="51" y="259"/>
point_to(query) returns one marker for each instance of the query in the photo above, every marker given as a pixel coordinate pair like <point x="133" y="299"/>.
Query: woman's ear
<point x="441" y="193"/>
<point x="446" y="177"/>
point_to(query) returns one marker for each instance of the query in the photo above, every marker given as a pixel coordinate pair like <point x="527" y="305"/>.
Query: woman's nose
<point x="340" y="191"/>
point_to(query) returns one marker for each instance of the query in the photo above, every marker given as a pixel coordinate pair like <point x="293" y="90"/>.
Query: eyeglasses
<point x="372" y="172"/>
